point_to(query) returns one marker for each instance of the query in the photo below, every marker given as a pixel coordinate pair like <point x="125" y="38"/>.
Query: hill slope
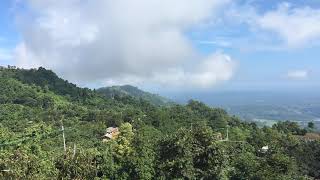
<point x="190" y="141"/>
<point x="128" y="90"/>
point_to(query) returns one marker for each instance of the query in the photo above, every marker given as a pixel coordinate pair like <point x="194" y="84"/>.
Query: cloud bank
<point x="121" y="41"/>
<point x="297" y="26"/>
<point x="284" y="27"/>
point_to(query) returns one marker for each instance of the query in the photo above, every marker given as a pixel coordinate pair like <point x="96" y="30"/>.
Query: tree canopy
<point x="192" y="141"/>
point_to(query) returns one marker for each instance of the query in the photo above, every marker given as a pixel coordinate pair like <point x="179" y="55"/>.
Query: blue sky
<point x="203" y="45"/>
<point x="8" y="34"/>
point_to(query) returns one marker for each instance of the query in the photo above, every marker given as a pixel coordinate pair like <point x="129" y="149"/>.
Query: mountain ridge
<point x="129" y="90"/>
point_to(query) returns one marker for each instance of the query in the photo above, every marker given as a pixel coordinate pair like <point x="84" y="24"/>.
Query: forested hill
<point x="190" y="141"/>
<point x="128" y="90"/>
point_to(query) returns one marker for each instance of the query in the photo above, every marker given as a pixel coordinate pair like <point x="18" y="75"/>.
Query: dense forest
<point x="40" y="111"/>
<point x="128" y="90"/>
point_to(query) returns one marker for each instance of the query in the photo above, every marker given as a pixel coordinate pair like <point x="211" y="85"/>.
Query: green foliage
<point x="81" y="164"/>
<point x="311" y="125"/>
<point x="23" y="164"/>
<point x="193" y="154"/>
<point x="289" y="127"/>
<point x="22" y="157"/>
<point x="217" y="118"/>
<point x="308" y="156"/>
<point x="155" y="141"/>
<point x="131" y="91"/>
<point x="123" y="147"/>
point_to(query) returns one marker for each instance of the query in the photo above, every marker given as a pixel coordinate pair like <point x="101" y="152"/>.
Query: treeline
<point x="177" y="142"/>
<point x="128" y="90"/>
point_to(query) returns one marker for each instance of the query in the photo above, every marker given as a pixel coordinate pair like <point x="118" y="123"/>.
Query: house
<point x="111" y="133"/>
<point x="264" y="149"/>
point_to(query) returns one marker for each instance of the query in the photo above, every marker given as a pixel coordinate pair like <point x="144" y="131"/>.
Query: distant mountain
<point x="264" y="106"/>
<point x="128" y="90"/>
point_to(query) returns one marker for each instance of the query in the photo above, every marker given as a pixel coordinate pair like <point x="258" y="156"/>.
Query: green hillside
<point x="128" y="90"/>
<point x="192" y="141"/>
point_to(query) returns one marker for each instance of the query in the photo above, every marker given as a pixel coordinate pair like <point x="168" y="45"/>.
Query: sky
<point x="167" y="45"/>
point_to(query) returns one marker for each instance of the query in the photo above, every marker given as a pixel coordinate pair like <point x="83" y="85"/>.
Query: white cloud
<point x="297" y="26"/>
<point x="215" y="69"/>
<point x="212" y="70"/>
<point x="119" y="41"/>
<point x="281" y="28"/>
<point x="298" y="74"/>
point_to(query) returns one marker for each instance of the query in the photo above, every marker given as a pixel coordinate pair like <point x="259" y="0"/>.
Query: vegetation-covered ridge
<point x="128" y="90"/>
<point x="190" y="141"/>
